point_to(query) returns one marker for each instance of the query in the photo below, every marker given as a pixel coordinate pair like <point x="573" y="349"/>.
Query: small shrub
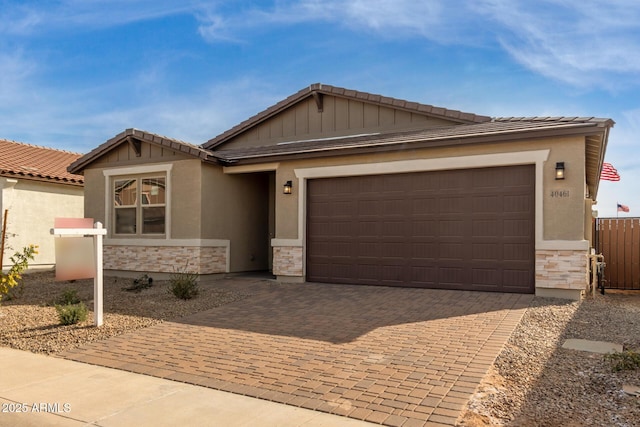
<point x="625" y="361"/>
<point x="20" y="262"/>
<point x="70" y="314"/>
<point x="184" y="285"/>
<point x="142" y="282"/>
<point x="68" y="297"/>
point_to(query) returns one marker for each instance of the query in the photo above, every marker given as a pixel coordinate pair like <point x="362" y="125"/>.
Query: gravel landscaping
<point x="30" y="321"/>
<point x="534" y="381"/>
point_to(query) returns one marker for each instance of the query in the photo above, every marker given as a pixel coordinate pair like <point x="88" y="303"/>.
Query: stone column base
<point x="287" y="261"/>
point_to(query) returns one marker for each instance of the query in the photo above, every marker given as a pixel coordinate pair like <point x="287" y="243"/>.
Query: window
<point x="139" y="205"/>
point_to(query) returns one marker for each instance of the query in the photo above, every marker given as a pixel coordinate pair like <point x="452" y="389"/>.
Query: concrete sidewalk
<point x="38" y="390"/>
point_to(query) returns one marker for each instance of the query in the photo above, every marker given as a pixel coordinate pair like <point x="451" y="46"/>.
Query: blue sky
<point x="74" y="73"/>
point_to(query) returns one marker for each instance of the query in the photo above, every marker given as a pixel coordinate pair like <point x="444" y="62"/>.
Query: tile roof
<point x="319" y="88"/>
<point x="140" y="135"/>
<point x="452" y="135"/>
<point x="27" y="161"/>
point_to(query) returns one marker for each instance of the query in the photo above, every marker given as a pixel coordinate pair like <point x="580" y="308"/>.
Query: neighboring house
<point x="339" y="186"/>
<point x="36" y="188"/>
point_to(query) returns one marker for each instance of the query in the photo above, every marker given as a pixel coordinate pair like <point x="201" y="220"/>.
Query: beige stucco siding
<point x="207" y="209"/>
<point x="562" y="201"/>
<point x="186" y="188"/>
<point x="236" y="208"/>
<point x="94" y="199"/>
<point x="32" y="207"/>
<point x="184" y="185"/>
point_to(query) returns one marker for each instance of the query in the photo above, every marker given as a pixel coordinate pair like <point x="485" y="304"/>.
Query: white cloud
<point x="441" y="20"/>
<point x="16" y="70"/>
<point x="33" y="16"/>
<point x="583" y="43"/>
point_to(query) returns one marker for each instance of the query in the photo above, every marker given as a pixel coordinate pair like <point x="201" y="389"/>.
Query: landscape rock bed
<point x="535" y="382"/>
<point x="30" y="321"/>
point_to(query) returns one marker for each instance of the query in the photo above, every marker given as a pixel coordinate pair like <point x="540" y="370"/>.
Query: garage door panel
<point x="517" y="228"/>
<point x="423" y="251"/>
<point x="486" y="277"/>
<point x="519" y="203"/>
<point x="451" y="228"/>
<point x="424" y="228"/>
<point x="463" y="229"/>
<point x="486" y="227"/>
<point x="486" y="204"/>
<point x="424" y="205"/>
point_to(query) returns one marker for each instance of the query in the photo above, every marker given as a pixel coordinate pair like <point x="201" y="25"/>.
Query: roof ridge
<point x="426" y="109"/>
<point x="39" y="146"/>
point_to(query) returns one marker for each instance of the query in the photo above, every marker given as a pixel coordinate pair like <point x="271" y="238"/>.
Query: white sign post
<point x="97" y="232"/>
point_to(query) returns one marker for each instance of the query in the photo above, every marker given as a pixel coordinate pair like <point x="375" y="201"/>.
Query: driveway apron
<point x="394" y="356"/>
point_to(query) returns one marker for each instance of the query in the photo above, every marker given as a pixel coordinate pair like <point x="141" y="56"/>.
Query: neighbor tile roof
<point x="18" y="160"/>
<point x="319" y="88"/>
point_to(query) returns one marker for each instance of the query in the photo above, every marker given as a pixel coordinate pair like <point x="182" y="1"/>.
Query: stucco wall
<point x="33" y="206"/>
<point x="563" y="201"/>
<point x="236" y="207"/>
<point x="561" y="208"/>
<point x="204" y="202"/>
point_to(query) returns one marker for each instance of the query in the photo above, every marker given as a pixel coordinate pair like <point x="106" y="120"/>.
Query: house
<point x="36" y="188"/>
<point x="340" y="186"/>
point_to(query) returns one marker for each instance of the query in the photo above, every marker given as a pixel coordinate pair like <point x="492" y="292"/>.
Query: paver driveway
<point x="395" y="356"/>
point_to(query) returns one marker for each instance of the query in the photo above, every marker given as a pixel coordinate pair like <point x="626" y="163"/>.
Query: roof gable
<point x="37" y="163"/>
<point x="135" y="138"/>
<point x="318" y="95"/>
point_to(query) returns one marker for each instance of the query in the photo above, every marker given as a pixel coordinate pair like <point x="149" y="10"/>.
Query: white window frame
<point x="111" y="175"/>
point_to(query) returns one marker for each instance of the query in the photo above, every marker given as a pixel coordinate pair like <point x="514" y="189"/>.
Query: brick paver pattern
<point x="394" y="356"/>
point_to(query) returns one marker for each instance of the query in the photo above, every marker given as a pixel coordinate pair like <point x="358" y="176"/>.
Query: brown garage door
<point x="467" y="229"/>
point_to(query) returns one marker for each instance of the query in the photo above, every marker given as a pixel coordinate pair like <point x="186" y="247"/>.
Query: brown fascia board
<point x="454" y="115"/>
<point x="123" y="137"/>
<point x="582" y="129"/>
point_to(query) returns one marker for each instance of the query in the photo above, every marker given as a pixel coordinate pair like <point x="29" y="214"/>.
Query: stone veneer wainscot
<point x="166" y="259"/>
<point x="561" y="269"/>
<point x="287" y="261"/>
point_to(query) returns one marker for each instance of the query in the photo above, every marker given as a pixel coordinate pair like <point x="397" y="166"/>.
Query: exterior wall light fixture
<point x="560" y="170"/>
<point x="287" y="187"/>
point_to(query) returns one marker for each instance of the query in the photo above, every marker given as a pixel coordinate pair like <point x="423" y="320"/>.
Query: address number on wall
<point x="560" y="193"/>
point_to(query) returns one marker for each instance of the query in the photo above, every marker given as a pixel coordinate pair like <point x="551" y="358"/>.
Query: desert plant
<point x="20" y="262"/>
<point x="140" y="283"/>
<point x="70" y="314"/>
<point x="68" y="296"/>
<point x="183" y="284"/>
<point x="623" y="361"/>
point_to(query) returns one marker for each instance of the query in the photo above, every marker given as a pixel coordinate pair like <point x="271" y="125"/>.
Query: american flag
<point x="623" y="208"/>
<point x="609" y="173"/>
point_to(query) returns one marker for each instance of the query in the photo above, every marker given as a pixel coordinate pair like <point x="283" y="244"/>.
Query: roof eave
<point x="499" y="137"/>
<point x="50" y="180"/>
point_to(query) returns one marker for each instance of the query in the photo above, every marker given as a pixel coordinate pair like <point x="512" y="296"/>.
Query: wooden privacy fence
<point x="618" y="239"/>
